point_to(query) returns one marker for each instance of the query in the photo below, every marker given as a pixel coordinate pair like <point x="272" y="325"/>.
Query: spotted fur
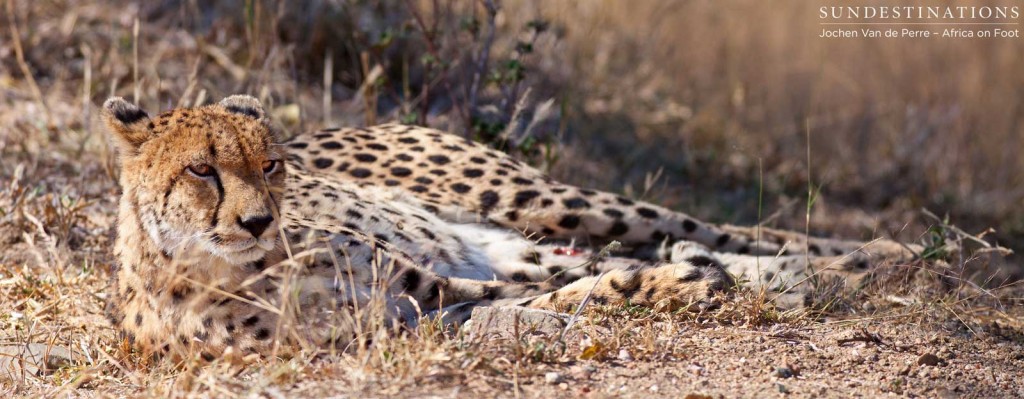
<point x="230" y="243"/>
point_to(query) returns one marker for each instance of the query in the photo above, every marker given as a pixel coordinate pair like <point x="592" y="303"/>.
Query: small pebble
<point x="928" y="359"/>
<point x="784" y="372"/>
<point x="553" y="378"/>
<point x="625" y="356"/>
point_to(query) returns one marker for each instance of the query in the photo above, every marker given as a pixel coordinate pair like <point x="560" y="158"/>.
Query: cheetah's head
<point x="203" y="179"/>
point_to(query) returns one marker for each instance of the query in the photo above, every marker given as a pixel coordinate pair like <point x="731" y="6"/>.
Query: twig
<point x="192" y="80"/>
<point x="135" y="60"/>
<point x="586" y="300"/>
<point x="964" y="234"/>
<point x="328" y="82"/>
<point x="482" y="57"/>
<point x="863" y="336"/>
<point x="19" y="54"/>
<point x="432" y="48"/>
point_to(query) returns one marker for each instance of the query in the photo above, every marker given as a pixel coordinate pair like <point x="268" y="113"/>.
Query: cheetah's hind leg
<point x="790" y="280"/>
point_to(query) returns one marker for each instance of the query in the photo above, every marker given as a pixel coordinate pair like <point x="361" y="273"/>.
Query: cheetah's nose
<point x="256" y="225"/>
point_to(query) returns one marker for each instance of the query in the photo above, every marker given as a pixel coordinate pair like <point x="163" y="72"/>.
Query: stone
<point x="488" y="322"/>
<point x="34" y="359"/>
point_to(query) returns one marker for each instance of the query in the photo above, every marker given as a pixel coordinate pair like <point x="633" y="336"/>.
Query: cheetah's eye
<point x="201" y="170"/>
<point x="269" y="166"/>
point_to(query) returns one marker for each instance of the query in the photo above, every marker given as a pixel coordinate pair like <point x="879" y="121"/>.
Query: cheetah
<point x="230" y="242"/>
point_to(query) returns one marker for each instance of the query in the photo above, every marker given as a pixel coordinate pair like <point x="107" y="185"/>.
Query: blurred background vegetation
<point x="728" y="110"/>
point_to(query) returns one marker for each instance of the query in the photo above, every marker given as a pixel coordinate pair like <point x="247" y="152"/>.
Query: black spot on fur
<point x="298" y="145"/>
<point x="691" y="276"/>
<point x="627" y="288"/>
<point x="576" y="203"/>
<point x="647" y="213"/>
<point x="331" y="145"/>
<point x="461" y="188"/>
<point x="378" y="147"/>
<point x="523" y="197"/>
<point x="262" y="334"/>
<point x="723" y="239"/>
<point x="362" y="157"/>
<point x="512" y="216"/>
<point x="489" y="293"/>
<point x="689" y="226"/>
<point x="472" y="173"/>
<point x="488" y="200"/>
<point x="439" y="159"/>
<point x="521" y="181"/>
<point x="814" y="249"/>
<point x="569" y="222"/>
<point x="618" y="228"/>
<point x="520" y="277"/>
<point x="361" y="173"/>
<point x="251" y="321"/>
<point x="703" y="261"/>
<point x="428" y="233"/>
<point x="411" y="280"/>
<point x="323" y="163"/>
<point x="400" y="172"/>
<point x="613" y="213"/>
<point x="532" y="257"/>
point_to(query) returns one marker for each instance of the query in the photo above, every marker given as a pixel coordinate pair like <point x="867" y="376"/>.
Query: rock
<point x="625" y="356"/>
<point x="35" y="359"/>
<point x="929" y="359"/>
<point x="553" y="378"/>
<point x="784" y="372"/>
<point x="505" y="322"/>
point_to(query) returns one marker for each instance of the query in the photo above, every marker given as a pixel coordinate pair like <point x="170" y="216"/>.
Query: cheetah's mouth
<point x="243" y="252"/>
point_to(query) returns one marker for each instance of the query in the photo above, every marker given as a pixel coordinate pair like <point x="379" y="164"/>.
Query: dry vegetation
<point x="704" y="106"/>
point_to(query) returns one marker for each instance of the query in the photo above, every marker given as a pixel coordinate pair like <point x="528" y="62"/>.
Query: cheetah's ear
<point x="244" y="105"/>
<point x="130" y="125"/>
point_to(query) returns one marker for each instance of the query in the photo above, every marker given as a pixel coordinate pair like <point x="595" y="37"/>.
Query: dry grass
<point x="698" y="105"/>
